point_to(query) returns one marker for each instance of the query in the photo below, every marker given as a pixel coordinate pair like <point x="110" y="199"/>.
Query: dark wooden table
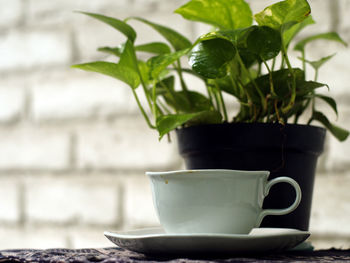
<point x="111" y="255"/>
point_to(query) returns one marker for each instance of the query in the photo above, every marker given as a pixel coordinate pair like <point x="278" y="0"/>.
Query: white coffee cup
<point x="214" y="201"/>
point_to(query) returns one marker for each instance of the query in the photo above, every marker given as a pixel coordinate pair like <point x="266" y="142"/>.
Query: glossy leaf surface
<point x="125" y="74"/>
<point x="284" y="14"/>
<point x="264" y="42"/>
<point x="224" y="14"/>
<point x="209" y="58"/>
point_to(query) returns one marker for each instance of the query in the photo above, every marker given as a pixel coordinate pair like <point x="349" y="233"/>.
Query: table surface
<point x="115" y="254"/>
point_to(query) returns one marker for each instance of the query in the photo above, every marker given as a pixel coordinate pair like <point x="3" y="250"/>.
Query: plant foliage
<point x="237" y="58"/>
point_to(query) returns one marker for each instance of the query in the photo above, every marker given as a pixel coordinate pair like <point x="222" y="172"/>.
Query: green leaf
<point x="167" y="123"/>
<point x="290" y="33"/>
<point x="284" y="14"/>
<point x="318" y="63"/>
<point x="210" y="57"/>
<point x="264" y="42"/>
<point x="159" y="63"/>
<point x="178" y="41"/>
<point x="158" y="48"/>
<point x="121" y="26"/>
<point x="282" y="82"/>
<point x="305" y="88"/>
<point x="224" y="14"/>
<point x="144" y="71"/>
<point x="117" y="51"/>
<point x="128" y="56"/>
<point x="330" y="101"/>
<point x="125" y="74"/>
<point x="340" y="133"/>
<point x="332" y="36"/>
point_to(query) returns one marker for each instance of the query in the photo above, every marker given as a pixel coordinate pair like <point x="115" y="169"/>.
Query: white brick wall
<point x="10" y="201"/>
<point x="21" y="49"/>
<point x="11" y="15"/>
<point x="73" y="146"/>
<point x="138" y="205"/>
<point x="70" y="200"/>
<point x="12" y="100"/>
<point x="73" y="94"/>
<point x="127" y="145"/>
<point x="28" y="148"/>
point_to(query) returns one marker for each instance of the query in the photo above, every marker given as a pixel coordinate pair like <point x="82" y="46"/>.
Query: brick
<point x="331" y="209"/>
<point x="9" y="205"/>
<point x="75" y="94"/>
<point x="138" y="205"/>
<point x="344" y="20"/>
<point x="10" y="13"/>
<point x="32" y="237"/>
<point x="27" y="49"/>
<point x="128" y="144"/>
<point x="72" y="200"/>
<point x="40" y="12"/>
<point x="11" y="102"/>
<point x="27" y="148"/>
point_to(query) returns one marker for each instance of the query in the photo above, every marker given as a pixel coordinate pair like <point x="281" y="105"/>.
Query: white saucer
<point x="156" y="241"/>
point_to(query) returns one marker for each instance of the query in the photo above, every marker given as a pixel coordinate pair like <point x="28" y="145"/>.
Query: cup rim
<point x="206" y="171"/>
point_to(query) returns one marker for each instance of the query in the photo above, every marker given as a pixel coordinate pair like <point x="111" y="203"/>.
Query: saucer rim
<point x="160" y="234"/>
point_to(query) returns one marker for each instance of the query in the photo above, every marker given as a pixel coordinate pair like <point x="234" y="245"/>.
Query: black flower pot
<point x="290" y="150"/>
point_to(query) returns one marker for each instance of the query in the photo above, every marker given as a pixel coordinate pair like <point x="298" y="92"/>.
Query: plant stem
<point x="303" y="61"/>
<point x="183" y="84"/>
<point x="273" y="64"/>
<point x="222" y="102"/>
<point x="142" y="110"/>
<point x="210" y="96"/>
<point x="263" y="102"/>
<point x="293" y="95"/>
<point x="154" y="98"/>
<point x="270" y="79"/>
<point x="217" y="101"/>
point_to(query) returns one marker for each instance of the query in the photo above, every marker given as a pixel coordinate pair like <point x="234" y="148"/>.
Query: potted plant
<point x="250" y="63"/>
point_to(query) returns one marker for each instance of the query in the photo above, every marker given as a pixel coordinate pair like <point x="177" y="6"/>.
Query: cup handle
<point x="284" y="211"/>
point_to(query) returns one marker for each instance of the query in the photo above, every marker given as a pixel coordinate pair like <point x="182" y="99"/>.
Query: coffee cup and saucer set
<point x="212" y="212"/>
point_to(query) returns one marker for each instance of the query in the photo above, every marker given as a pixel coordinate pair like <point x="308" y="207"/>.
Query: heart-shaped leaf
<point x="284" y="14"/>
<point x="177" y="40"/>
<point x="265" y="42"/>
<point x="210" y="57"/>
<point x="332" y="36"/>
<point x="120" y="25"/>
<point x="123" y="73"/>
<point x="167" y="123"/>
<point x="224" y="14"/>
<point x="128" y="56"/>
<point x="290" y="33"/>
<point x="158" y="48"/>
<point x="317" y="63"/>
<point x="159" y="63"/>
<point x="330" y="101"/>
<point x="340" y="133"/>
